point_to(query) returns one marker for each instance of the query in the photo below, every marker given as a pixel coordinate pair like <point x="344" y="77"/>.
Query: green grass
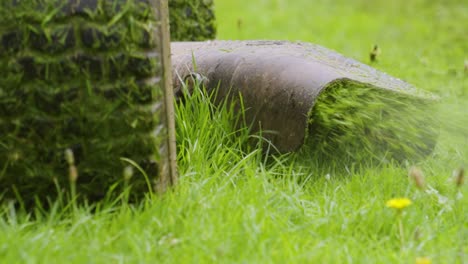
<point x="355" y="123"/>
<point x="234" y="205"/>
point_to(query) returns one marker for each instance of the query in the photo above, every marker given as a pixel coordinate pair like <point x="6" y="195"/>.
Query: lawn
<point x="234" y="205"/>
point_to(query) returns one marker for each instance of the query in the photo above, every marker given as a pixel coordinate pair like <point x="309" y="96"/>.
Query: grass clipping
<point x="355" y="122"/>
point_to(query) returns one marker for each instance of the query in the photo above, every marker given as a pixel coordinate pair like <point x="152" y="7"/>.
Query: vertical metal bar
<point x="169" y="176"/>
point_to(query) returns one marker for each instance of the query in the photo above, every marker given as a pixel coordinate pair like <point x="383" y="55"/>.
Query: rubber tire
<point x="79" y="75"/>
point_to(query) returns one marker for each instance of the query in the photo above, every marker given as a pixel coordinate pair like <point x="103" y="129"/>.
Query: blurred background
<point x="421" y="41"/>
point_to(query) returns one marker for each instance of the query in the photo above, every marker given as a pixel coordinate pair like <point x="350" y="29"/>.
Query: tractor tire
<point x="79" y="75"/>
<point x="192" y="20"/>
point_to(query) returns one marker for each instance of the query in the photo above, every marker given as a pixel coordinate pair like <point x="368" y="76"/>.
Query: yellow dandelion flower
<point x="423" y="260"/>
<point x="398" y="203"/>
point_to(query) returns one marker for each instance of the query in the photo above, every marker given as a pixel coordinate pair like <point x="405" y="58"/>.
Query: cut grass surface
<point x="231" y="206"/>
